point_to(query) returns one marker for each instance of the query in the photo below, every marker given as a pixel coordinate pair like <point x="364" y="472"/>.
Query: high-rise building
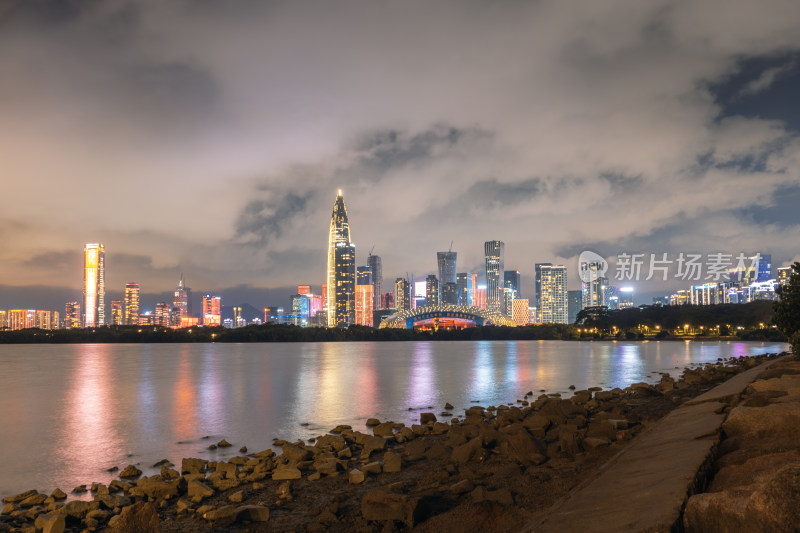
<point x="117" y="313"/>
<point x="162" y="314"/>
<point x="479" y="297"/>
<point x="574" y="305"/>
<point x="132" y="306"/>
<point x="374" y="262"/>
<point x="449" y="294"/>
<point x="387" y="301"/>
<point x="784" y="274"/>
<point x="303" y="289"/>
<point x="431" y="290"/>
<point x="537" y="295"/>
<point x="595" y="293"/>
<point x="21" y="319"/>
<point x="554" y="308"/>
<point x="447" y="267"/>
<point x="212" y="310"/>
<point x="519" y="311"/>
<point x="72" y="315"/>
<point x="3" y="320"/>
<point x="511" y="284"/>
<point x="364" y="300"/>
<point x="402" y="294"/>
<point x="464" y="283"/>
<point x="94" y="285"/>
<point x="494" y="275"/>
<point x="341" y="268"/>
<point x="182" y="299"/>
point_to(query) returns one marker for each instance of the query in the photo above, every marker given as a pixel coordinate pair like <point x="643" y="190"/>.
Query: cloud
<point x="767" y="78"/>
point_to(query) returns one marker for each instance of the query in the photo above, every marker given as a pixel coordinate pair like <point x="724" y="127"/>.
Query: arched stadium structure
<point x="460" y="315"/>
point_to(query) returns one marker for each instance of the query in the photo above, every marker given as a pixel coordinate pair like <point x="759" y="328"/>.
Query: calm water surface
<point x="69" y="412"/>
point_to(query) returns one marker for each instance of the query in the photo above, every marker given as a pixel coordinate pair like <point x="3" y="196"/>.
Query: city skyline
<point x="562" y="129"/>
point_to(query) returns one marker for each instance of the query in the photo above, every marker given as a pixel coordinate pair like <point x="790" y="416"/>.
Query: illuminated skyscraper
<point x="402" y="294"/>
<point x="554" y="306"/>
<point x="511" y="284"/>
<point x="72" y="315"/>
<point x="341" y="268"/>
<point x="374" y="263"/>
<point x="464" y="283"/>
<point x="94" y="285"/>
<point x="131" y="304"/>
<point x="212" y="310"/>
<point x="494" y="275"/>
<point x="784" y="275"/>
<point x="117" y="313"/>
<point x="162" y="314"/>
<point x="182" y="299"/>
<point x="447" y="267"/>
<point x="3" y="320"/>
<point x="519" y="311"/>
<point x="431" y="290"/>
<point x="449" y="293"/>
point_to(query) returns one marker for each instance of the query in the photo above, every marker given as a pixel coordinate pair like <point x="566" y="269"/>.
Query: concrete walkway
<point x="644" y="487"/>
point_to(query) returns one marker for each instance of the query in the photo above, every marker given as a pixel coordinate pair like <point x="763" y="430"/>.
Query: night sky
<point x="210" y="137"/>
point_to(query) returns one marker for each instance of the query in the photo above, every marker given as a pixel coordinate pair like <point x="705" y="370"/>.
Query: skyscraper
<point x="431" y="290"/>
<point x="449" y="294"/>
<point x="72" y="315"/>
<point x="494" y="275"/>
<point x="574" y="305"/>
<point x="511" y="283"/>
<point x="341" y="268"/>
<point x="537" y="296"/>
<point x="182" y="299"/>
<point x="94" y="285"/>
<point x="402" y="294"/>
<point x="447" y="267"/>
<point x="162" y="314"/>
<point x="131" y="309"/>
<point x="554" y="306"/>
<point x="464" y="283"/>
<point x="374" y="262"/>
<point x="212" y="310"/>
<point x="117" y="314"/>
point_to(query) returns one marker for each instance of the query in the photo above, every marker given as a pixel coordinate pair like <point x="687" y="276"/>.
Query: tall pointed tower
<point x="341" y="268"/>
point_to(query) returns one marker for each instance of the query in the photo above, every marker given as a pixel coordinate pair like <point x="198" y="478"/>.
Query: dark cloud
<point x="261" y="220"/>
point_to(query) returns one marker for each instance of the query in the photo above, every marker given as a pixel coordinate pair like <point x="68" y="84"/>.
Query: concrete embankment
<point x="491" y="469"/>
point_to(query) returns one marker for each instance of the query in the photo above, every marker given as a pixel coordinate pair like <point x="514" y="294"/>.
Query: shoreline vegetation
<point x="492" y="468"/>
<point x="752" y="321"/>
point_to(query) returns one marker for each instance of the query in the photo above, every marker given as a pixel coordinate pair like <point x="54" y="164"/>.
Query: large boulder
<point x="759" y="422"/>
<point x="50" y="523"/>
<point x="156" y="488"/>
<point x="378" y="505"/>
<point x="517" y="445"/>
<point x="337" y="442"/>
<point x="141" y="517"/>
<point x="193" y="466"/>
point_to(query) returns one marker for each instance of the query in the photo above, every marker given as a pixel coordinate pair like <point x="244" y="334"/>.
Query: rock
<point x="373" y="444"/>
<point x="461" y="487"/>
<point x="224" y="444"/>
<point x="379" y="505"/>
<point x="337" y="442"/>
<point x="114" y="501"/>
<point x="448" y="406"/>
<point x="252" y="513"/>
<point x="467" y="452"/>
<point x="759" y="422"/>
<point x="569" y="440"/>
<point x="221" y="516"/>
<point x="356" y="477"/>
<point x="425" y="418"/>
<point x="328" y="466"/>
<point x="79" y="489"/>
<point x="32" y="500"/>
<point x="286" y="473"/>
<point x="581" y="397"/>
<point x="295" y="453"/>
<point x="372" y="468"/>
<point x="21" y="496"/>
<point x="501" y="496"/>
<point x="536" y="421"/>
<point x="392" y="462"/>
<point x="243" y="449"/>
<point x="372" y="422"/>
<point x="78" y="509"/>
<point x="141" y="517"/>
<point x="50" y="523"/>
<point x="193" y="466"/>
<point x="183" y="505"/>
<point x="8" y="509"/>
<point x="384" y="430"/>
<point x="58" y="494"/>
<point x="284" y="491"/>
<point x="212" y="447"/>
<point x="156" y="489"/>
<point x="130" y="471"/>
<point x="169" y="473"/>
<point x="595" y="442"/>
<point x="228" y="470"/>
<point x="517" y="445"/>
<point x="440" y="428"/>
<point x="197" y="490"/>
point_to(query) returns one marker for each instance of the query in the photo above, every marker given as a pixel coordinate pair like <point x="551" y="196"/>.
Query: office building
<point x="595" y="292"/>
<point x="493" y="251"/>
<point x="72" y="315"/>
<point x="3" y="320"/>
<point x="479" y="297"/>
<point x="341" y="277"/>
<point x="182" y="299"/>
<point x="131" y="304"/>
<point x="374" y="263"/>
<point x="537" y="283"/>
<point x="117" y="313"/>
<point x="519" y="311"/>
<point x="364" y="300"/>
<point x="449" y="294"/>
<point x="574" y="305"/>
<point x="212" y="310"/>
<point x="431" y="290"/>
<point x="402" y="294"/>
<point x="94" y="285"/>
<point x="161" y="315"/>
<point x="446" y="262"/>
<point x="552" y="288"/>
<point x="784" y="275"/>
<point x="464" y="284"/>
<point x="511" y="284"/>
<point x="387" y="301"/>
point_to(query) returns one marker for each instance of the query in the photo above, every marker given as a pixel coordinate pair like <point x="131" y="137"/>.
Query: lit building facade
<point x="117" y="314"/>
<point x="464" y="283"/>
<point x="479" y="297"/>
<point x="132" y="304"/>
<point x="94" y="285"/>
<point x="402" y="294"/>
<point x="519" y="311"/>
<point x="375" y="264"/>
<point x="493" y="251"/>
<point x="162" y="317"/>
<point x="574" y="305"/>
<point x="431" y="290"/>
<point x="784" y="274"/>
<point x="446" y="261"/>
<point x="212" y="310"/>
<point x="182" y="300"/>
<point x="3" y="320"/>
<point x="21" y="319"/>
<point x="449" y="293"/>
<point x="72" y="315"/>
<point x="554" y="307"/>
<point x="364" y="300"/>
<point x="341" y="279"/>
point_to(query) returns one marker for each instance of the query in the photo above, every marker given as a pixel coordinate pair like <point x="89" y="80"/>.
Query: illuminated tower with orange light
<point x="94" y="285"/>
<point x="341" y="268"/>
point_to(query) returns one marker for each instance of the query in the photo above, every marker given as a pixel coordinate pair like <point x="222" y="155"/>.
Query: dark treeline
<point x="279" y="333"/>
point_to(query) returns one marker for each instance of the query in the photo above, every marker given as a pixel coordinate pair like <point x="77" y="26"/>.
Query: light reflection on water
<point x="70" y="412"/>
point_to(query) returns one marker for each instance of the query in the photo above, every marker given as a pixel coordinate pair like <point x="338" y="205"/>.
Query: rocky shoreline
<point x="492" y="468"/>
